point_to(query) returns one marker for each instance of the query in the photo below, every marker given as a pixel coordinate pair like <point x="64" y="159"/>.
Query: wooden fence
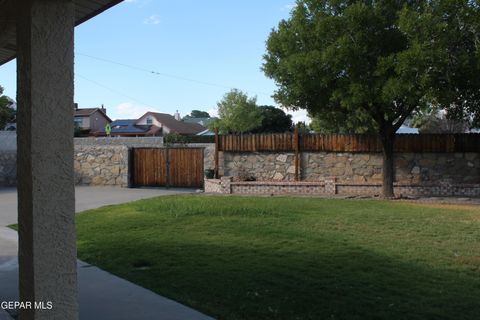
<point x="347" y="143"/>
<point x="297" y="143"/>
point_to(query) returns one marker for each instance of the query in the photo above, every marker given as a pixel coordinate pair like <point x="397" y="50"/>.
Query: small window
<point x="149" y="120"/>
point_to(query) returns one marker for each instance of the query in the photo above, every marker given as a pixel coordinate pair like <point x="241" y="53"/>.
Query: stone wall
<point x="138" y="142"/>
<point x="101" y="165"/>
<point x="410" y="168"/>
<point x="98" y="161"/>
<point x="261" y="166"/>
<point x="208" y="154"/>
<point x="8" y="141"/>
<point x="8" y="168"/>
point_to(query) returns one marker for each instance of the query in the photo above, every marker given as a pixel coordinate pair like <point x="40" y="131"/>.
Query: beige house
<point x="169" y="124"/>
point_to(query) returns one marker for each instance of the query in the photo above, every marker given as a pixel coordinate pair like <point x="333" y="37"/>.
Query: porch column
<point x="46" y="194"/>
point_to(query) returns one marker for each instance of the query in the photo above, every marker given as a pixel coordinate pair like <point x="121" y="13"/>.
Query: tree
<point x="436" y="121"/>
<point x="343" y="124"/>
<point x="302" y="127"/>
<point x="7" y="113"/>
<point x="273" y="120"/>
<point x="377" y="60"/>
<point x="197" y="114"/>
<point x="238" y="113"/>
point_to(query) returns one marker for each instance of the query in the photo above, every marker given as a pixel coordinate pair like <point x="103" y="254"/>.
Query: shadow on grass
<point x="255" y="282"/>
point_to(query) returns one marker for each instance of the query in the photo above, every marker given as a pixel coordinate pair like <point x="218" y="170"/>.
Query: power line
<point x="113" y="90"/>
<point x="153" y="72"/>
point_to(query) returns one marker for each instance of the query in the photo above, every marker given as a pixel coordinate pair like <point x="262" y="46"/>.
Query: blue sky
<point x="220" y="42"/>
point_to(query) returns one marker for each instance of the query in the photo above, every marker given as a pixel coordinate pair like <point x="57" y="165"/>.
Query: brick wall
<point x="330" y="186"/>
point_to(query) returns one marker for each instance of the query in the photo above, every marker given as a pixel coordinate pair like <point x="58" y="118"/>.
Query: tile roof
<point x="128" y="126"/>
<point x="176" y="126"/>
<point x="85" y="112"/>
<point x="205" y="121"/>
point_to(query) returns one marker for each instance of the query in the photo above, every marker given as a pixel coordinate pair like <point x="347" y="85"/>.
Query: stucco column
<point x="46" y="194"/>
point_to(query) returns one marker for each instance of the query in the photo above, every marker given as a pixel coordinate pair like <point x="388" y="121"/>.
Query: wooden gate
<point x="167" y="167"/>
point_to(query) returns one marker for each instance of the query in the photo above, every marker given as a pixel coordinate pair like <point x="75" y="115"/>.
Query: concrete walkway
<point x="101" y="294"/>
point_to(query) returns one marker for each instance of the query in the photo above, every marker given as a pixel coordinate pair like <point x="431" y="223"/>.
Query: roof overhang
<point x="84" y="10"/>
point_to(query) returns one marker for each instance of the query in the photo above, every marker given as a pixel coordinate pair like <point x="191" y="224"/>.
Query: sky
<point x="163" y="56"/>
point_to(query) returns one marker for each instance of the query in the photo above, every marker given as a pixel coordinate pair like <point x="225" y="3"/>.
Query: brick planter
<point x="330" y="186"/>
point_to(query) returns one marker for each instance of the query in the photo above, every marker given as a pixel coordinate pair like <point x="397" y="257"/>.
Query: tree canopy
<point x="197" y="114"/>
<point x="372" y="63"/>
<point x="237" y="113"/>
<point x="7" y="113"/>
<point x="273" y="120"/>
<point x="436" y="121"/>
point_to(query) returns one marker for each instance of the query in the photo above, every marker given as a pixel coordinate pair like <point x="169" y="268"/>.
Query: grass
<point x="293" y="258"/>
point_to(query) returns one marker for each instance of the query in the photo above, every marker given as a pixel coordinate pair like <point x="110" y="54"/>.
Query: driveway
<point x="85" y="198"/>
<point x="101" y="295"/>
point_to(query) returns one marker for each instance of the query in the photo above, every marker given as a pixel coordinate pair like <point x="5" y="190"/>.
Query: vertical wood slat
<point x="149" y="167"/>
<point x="217" y="147"/>
<point x="186" y="167"/>
<point x="296" y="145"/>
<point x="277" y="142"/>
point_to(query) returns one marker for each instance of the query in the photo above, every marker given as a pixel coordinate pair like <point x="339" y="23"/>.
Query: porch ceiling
<point x="84" y="10"/>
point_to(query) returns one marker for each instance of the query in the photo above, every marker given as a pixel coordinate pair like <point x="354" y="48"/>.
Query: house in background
<point x="90" y="121"/>
<point x="129" y="128"/>
<point x="201" y="121"/>
<point x="152" y="124"/>
<point x="169" y="124"/>
<point x="406" y="129"/>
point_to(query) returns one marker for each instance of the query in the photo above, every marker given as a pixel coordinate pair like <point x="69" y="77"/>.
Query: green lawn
<point x="293" y="258"/>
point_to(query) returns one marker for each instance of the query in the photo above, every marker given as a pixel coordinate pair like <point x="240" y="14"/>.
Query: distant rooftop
<point x="176" y="126"/>
<point x="205" y="121"/>
<point x="405" y="129"/>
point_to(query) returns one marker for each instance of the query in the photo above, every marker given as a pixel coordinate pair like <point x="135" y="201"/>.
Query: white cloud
<point x="153" y="19"/>
<point x="289" y="7"/>
<point x="300" y="115"/>
<point x="213" y="112"/>
<point x="129" y="110"/>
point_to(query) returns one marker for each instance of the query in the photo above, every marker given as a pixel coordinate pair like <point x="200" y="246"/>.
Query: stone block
<point x="470" y="156"/>
<point x="278" y="176"/>
<point x="282" y="158"/>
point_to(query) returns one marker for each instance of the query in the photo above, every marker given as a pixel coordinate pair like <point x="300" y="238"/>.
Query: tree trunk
<point x="388" y="138"/>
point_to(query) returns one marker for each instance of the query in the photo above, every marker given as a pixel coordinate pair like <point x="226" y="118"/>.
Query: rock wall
<point x="8" y="168"/>
<point x="355" y="167"/>
<point x="101" y="165"/>
<point x="97" y="161"/>
<point x="138" y="142"/>
<point x="8" y="141"/>
<point x="208" y="154"/>
<point x="261" y="166"/>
